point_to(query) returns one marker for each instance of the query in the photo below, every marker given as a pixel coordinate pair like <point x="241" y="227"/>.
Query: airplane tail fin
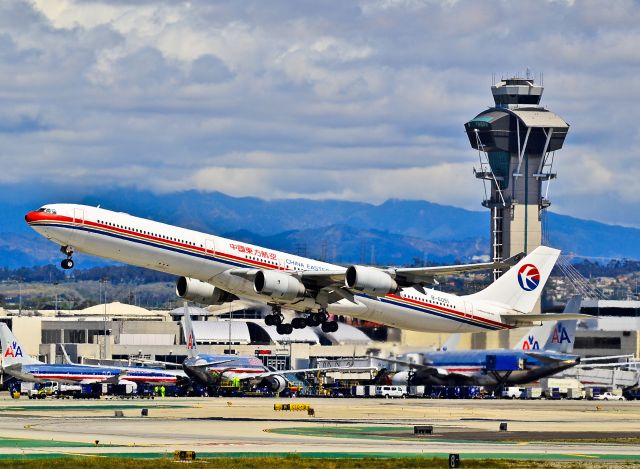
<point x="563" y="335"/>
<point x="536" y="337"/>
<point x="520" y="287"/>
<point x="189" y="336"/>
<point x="12" y="351"/>
<point x="451" y="344"/>
<point x="553" y="336"/>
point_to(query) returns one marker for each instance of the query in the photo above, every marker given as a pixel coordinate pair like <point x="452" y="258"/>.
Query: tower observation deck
<point x="516" y="142"/>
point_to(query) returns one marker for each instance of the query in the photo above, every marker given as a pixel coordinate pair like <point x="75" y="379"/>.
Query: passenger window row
<point x="136" y="230"/>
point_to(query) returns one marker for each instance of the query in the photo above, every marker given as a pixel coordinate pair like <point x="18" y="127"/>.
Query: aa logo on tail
<point x="560" y="335"/>
<point x="190" y="342"/>
<point x="528" y="277"/>
<point x="530" y="344"/>
<point x="13" y="350"/>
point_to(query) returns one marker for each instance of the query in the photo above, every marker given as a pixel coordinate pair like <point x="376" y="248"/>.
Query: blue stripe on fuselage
<point x="436" y="313"/>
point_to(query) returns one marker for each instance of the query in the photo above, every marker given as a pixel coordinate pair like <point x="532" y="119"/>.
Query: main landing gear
<point x="311" y="320"/>
<point x="67" y="263"/>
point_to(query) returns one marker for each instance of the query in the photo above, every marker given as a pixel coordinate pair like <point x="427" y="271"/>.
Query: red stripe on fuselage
<point x="449" y="311"/>
<point x="39" y="217"/>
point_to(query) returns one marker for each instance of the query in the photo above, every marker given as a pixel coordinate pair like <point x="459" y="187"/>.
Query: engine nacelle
<point x="192" y="289"/>
<point x="276" y="383"/>
<point x="278" y="285"/>
<point x="370" y="280"/>
<point x="401" y="378"/>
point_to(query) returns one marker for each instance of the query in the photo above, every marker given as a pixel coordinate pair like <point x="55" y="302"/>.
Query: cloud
<point x="361" y="101"/>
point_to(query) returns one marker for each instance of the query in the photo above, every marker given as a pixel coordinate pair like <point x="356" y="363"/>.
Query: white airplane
<point x="215" y="270"/>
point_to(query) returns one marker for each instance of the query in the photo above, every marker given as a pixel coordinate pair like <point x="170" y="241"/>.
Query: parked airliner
<point x="215" y="270"/>
<point x="543" y="351"/>
<point x="16" y="362"/>
<point x="210" y="370"/>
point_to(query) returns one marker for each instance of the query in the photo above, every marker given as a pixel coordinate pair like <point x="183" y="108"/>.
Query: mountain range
<point x="396" y="232"/>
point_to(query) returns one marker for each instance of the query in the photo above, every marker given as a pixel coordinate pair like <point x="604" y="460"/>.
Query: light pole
<point x="103" y="283"/>
<point x="55" y="288"/>
<point x="18" y="281"/>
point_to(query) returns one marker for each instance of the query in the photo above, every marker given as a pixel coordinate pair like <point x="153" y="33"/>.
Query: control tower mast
<point x="516" y="140"/>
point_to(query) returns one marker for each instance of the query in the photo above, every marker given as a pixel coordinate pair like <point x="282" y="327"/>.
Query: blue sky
<point x="352" y="100"/>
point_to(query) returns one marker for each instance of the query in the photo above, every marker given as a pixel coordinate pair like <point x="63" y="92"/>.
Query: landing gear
<point x="275" y="318"/>
<point x="312" y="320"/>
<point x="67" y="263"/>
<point x="321" y="316"/>
<point x="299" y="323"/>
<point x="329" y="326"/>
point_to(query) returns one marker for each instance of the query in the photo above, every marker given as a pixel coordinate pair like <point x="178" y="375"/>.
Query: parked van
<point x="391" y="391"/>
<point x="512" y="393"/>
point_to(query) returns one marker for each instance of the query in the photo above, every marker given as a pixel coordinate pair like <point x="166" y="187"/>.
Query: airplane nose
<point x="31" y="217"/>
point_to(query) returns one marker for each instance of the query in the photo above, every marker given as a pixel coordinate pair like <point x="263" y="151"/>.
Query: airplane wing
<point x="208" y="364"/>
<point x="167" y="365"/>
<point x="409" y="276"/>
<point x="423" y="369"/>
<point x="333" y="281"/>
<point x="267" y="374"/>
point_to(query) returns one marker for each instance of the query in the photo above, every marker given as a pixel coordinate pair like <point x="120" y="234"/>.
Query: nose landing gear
<point x="67" y="263"/>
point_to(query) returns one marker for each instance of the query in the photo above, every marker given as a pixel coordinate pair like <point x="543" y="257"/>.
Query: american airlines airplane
<point x="210" y="370"/>
<point x="17" y="363"/>
<point x="543" y="351"/>
<point x="215" y="270"/>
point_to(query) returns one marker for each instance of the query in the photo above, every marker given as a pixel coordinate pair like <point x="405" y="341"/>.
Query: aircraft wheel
<point x="284" y="329"/>
<point x="268" y="320"/>
<point x="330" y="326"/>
<point x="277" y="318"/>
<point x="321" y="316"/>
<point x="67" y="264"/>
<point x="299" y="323"/>
<point x="313" y="320"/>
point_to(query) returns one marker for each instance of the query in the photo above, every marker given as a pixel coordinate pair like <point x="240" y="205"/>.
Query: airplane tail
<point x="189" y="336"/>
<point x="12" y="351"/>
<point x="563" y="335"/>
<point x="556" y="336"/>
<point x="520" y="287"/>
<point x="451" y="344"/>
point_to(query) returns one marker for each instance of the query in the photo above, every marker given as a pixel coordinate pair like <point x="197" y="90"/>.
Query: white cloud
<point x="358" y="101"/>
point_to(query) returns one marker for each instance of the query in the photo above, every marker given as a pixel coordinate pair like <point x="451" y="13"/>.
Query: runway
<point x="581" y="430"/>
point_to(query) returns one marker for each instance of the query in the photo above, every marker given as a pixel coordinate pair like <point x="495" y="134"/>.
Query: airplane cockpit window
<point x="47" y="210"/>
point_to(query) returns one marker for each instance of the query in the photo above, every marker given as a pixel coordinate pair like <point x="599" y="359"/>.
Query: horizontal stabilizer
<point x="550" y="359"/>
<point x="524" y="319"/>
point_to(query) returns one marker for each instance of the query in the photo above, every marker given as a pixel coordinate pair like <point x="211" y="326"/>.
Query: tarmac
<point x="340" y="427"/>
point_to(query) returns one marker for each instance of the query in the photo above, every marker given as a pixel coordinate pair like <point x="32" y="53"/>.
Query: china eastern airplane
<point x="215" y="270"/>
<point x="20" y="365"/>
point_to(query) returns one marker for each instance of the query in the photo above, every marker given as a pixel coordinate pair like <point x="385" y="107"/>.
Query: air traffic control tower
<point x="516" y="140"/>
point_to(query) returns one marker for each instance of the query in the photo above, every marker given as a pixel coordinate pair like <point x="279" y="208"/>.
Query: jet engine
<point x="276" y="383"/>
<point x="202" y="292"/>
<point x="370" y="280"/>
<point x="278" y="285"/>
<point x="401" y="378"/>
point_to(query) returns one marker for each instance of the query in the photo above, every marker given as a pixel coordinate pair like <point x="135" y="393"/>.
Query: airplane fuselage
<point x="41" y="372"/>
<point x="208" y="258"/>
<point x="474" y="367"/>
